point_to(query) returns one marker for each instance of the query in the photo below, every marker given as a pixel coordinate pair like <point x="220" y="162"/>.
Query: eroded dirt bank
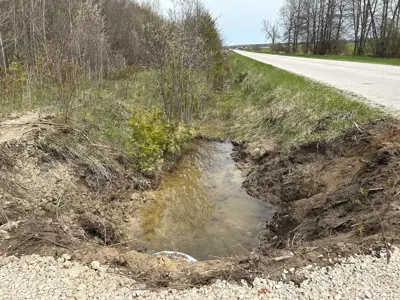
<point x="336" y="198"/>
<point x="60" y="193"/>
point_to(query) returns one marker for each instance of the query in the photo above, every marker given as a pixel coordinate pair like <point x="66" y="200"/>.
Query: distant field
<point x="362" y="59"/>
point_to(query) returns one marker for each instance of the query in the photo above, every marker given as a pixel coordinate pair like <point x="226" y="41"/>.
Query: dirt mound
<point x="345" y="194"/>
<point x="15" y="128"/>
<point x="61" y="189"/>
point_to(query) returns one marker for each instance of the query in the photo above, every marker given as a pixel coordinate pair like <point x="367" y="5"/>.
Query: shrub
<point x="190" y="62"/>
<point x="278" y="48"/>
<point x="152" y="136"/>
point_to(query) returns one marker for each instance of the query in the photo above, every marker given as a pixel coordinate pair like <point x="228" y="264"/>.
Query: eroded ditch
<point x="201" y="208"/>
<point x="56" y="200"/>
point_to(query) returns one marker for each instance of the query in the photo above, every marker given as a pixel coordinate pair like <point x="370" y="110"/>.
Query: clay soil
<point x="60" y="193"/>
<point x="336" y="199"/>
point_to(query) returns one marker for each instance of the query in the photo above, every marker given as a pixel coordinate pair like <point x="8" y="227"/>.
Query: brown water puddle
<point x="202" y="209"/>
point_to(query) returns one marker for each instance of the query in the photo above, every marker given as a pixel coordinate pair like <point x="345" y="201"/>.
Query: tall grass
<point x="259" y="102"/>
<point x="265" y="103"/>
<point x="100" y="110"/>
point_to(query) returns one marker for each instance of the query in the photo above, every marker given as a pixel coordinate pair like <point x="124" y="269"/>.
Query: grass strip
<point x="360" y="59"/>
<point x="263" y="103"/>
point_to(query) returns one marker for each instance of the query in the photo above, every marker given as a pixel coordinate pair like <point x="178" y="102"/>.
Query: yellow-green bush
<point x="153" y="135"/>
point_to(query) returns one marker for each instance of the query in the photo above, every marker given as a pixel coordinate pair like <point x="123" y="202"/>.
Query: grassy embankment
<point x="264" y="103"/>
<point x="259" y="103"/>
<point x="98" y="112"/>
<point x="362" y="59"/>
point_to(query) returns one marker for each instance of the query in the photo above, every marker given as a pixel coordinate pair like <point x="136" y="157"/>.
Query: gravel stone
<point x="60" y="260"/>
<point x="34" y="277"/>
<point x="66" y="257"/>
<point x="75" y="272"/>
<point x="95" y="265"/>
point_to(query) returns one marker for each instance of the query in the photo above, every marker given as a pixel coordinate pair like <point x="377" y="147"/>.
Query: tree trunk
<point x="3" y="54"/>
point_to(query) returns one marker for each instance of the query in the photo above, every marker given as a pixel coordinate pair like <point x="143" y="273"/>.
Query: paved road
<point x="378" y="83"/>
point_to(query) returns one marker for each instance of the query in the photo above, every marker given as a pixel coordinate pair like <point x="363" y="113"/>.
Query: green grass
<point x="260" y="103"/>
<point x="104" y="110"/>
<point x="265" y="103"/>
<point x="362" y="59"/>
<point x="101" y="113"/>
<point x="96" y="116"/>
<point x="18" y="99"/>
<point x="100" y="110"/>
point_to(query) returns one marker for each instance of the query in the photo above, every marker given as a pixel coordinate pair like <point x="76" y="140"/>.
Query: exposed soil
<point x="59" y="189"/>
<point x="61" y="193"/>
<point x="336" y="198"/>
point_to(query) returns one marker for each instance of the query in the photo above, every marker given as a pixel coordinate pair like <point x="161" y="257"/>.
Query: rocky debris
<point x="5" y="228"/>
<point x="356" y="277"/>
<point x="15" y="128"/>
<point x="66" y="257"/>
<point x="95" y="265"/>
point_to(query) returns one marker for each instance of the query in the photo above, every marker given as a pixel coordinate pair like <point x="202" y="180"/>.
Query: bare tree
<point x="324" y="26"/>
<point x="190" y="54"/>
<point x="287" y="17"/>
<point x="271" y="31"/>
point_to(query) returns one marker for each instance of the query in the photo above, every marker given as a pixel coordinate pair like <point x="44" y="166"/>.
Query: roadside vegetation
<point x="142" y="83"/>
<point x="119" y="71"/>
<point x="328" y="152"/>
<point x="361" y="59"/>
<point x="324" y="27"/>
<point x="263" y="103"/>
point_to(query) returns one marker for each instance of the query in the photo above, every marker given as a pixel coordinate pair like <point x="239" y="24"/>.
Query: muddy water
<point x="202" y="209"/>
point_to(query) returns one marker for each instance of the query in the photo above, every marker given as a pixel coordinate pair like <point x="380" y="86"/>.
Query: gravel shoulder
<point x="377" y="83"/>
<point x="357" y="277"/>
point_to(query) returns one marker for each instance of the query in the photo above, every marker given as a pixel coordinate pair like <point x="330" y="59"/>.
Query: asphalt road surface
<point x="378" y="83"/>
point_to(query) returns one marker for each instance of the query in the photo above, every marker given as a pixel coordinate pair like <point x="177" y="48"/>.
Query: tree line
<point x="61" y="41"/>
<point x="326" y="27"/>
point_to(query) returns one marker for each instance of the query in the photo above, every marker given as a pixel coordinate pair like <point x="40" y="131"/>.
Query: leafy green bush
<point x="153" y="135"/>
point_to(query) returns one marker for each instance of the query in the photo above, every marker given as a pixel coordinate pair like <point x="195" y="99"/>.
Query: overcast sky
<point x="241" y="20"/>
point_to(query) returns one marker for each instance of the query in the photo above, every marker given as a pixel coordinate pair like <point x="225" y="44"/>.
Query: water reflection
<point x="201" y="208"/>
